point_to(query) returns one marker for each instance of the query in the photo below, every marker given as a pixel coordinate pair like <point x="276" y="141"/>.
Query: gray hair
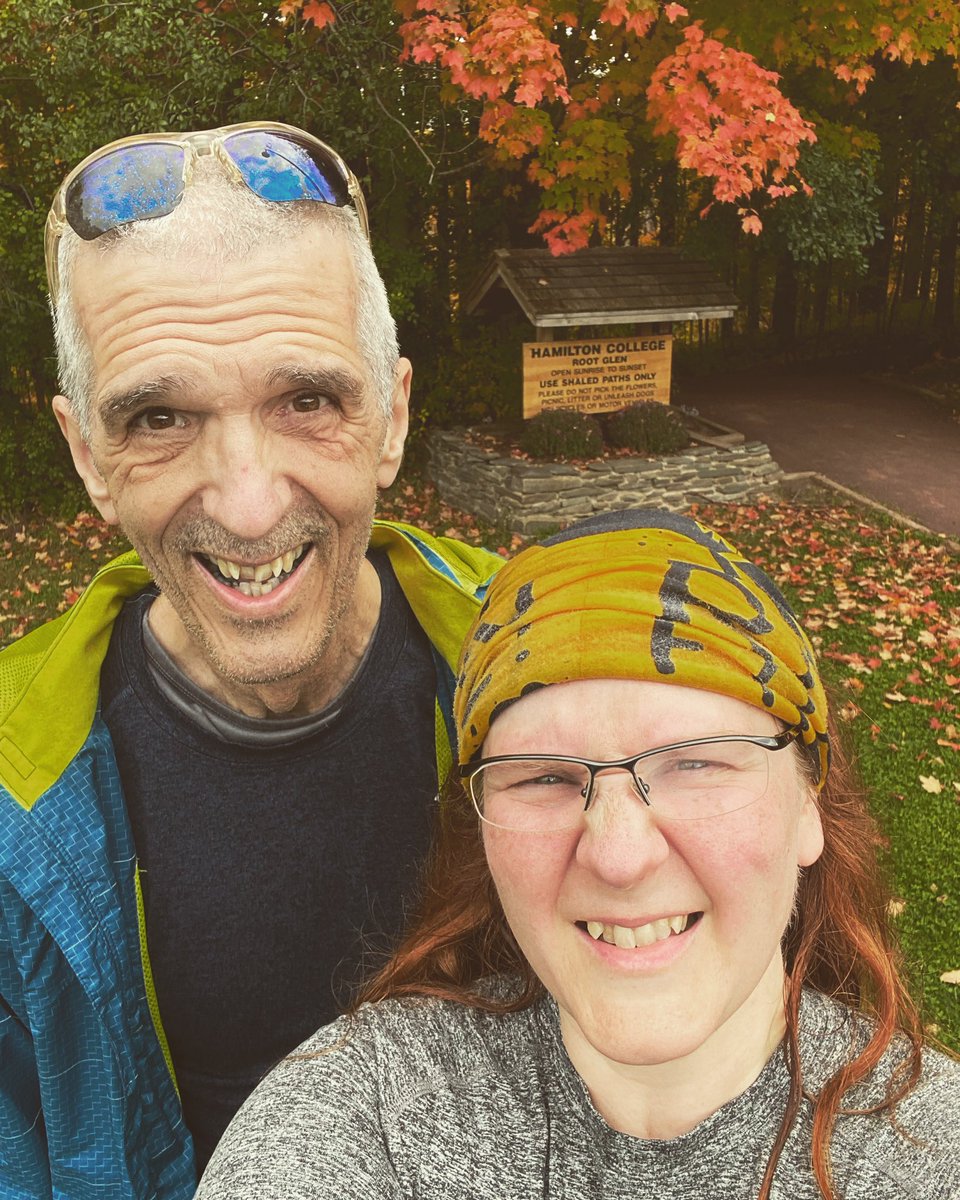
<point x="219" y="211"/>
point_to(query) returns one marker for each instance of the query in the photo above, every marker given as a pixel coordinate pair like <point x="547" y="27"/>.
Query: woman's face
<point x="730" y="879"/>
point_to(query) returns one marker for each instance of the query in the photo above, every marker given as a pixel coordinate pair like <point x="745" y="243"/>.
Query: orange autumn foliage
<point x="559" y="87"/>
<point x="311" y="11"/>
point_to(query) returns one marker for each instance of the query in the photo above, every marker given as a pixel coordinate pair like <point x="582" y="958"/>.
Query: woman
<point x="658" y="964"/>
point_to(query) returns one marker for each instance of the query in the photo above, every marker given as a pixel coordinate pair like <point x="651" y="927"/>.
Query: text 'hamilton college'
<point x="596" y="376"/>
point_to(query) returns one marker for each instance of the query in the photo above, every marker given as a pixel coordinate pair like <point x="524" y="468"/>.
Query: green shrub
<point x="647" y="428"/>
<point x="561" y="434"/>
<point x="36" y="470"/>
<point x="478" y="380"/>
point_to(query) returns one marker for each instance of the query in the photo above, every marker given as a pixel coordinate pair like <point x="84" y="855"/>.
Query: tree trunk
<point x="925" y="285"/>
<point x="668" y="200"/>
<point x="783" y="317"/>
<point x="945" y="306"/>
<point x="442" y="285"/>
<point x="873" y="293"/>
<point x="821" y="296"/>
<point x="913" y="242"/>
<point x="753" y="288"/>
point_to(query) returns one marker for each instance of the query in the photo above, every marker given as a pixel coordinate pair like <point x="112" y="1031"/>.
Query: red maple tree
<point x="558" y="84"/>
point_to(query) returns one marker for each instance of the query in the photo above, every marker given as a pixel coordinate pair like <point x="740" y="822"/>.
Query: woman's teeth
<point x="628" y="938"/>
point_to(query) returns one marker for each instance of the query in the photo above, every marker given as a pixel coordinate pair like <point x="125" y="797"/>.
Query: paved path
<point x="899" y="449"/>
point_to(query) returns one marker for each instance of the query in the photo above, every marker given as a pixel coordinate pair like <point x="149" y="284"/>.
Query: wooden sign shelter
<point x="596" y="376"/>
<point x="638" y="286"/>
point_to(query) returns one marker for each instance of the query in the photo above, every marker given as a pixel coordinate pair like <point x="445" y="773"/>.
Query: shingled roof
<point x="605" y="285"/>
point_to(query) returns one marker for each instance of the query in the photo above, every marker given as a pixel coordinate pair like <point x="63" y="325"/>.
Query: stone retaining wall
<point x="532" y="497"/>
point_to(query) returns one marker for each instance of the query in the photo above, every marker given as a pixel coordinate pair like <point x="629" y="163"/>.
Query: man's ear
<point x="397" y="424"/>
<point x="93" y="481"/>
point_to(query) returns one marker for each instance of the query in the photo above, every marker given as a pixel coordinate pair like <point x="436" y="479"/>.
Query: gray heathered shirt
<point x="432" y="1100"/>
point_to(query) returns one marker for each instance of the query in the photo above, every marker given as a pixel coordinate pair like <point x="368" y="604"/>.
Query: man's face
<point x="236" y="440"/>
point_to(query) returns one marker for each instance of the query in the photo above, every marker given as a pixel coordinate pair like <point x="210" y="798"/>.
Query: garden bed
<point x="483" y="471"/>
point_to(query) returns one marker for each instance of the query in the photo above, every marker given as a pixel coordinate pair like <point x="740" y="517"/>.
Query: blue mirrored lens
<point x="132" y="183"/>
<point x="278" y="168"/>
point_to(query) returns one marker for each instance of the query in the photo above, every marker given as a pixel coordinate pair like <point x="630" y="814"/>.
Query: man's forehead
<point x="127" y="284"/>
<point x="316" y="256"/>
<point x="148" y="317"/>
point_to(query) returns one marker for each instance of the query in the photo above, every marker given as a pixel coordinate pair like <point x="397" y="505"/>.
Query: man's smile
<point x="255" y="579"/>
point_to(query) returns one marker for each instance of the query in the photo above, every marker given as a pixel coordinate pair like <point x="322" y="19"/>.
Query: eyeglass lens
<point x="135" y="183"/>
<point x="276" y="167"/>
<point x="541" y="794"/>
<point x="128" y="184"/>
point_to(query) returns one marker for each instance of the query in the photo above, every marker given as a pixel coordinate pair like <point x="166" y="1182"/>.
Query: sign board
<point x="596" y="376"/>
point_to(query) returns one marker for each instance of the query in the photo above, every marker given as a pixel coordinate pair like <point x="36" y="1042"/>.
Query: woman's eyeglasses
<point x="143" y="177"/>
<point x="705" y="777"/>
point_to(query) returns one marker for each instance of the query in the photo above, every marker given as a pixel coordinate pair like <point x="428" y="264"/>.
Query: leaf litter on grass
<point x="45" y="565"/>
<point x="881" y="604"/>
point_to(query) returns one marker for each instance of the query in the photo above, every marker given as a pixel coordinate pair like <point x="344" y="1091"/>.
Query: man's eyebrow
<point x="115" y="407"/>
<point x="340" y="382"/>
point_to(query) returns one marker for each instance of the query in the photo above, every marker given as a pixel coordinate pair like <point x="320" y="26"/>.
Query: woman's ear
<point x="809" y="829"/>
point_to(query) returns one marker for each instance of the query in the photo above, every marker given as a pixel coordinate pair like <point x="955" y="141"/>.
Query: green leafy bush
<point x="36" y="471"/>
<point x="478" y="380"/>
<point x="647" y="428"/>
<point x="561" y="434"/>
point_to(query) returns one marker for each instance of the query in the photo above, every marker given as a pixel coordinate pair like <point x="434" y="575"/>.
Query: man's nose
<point x="246" y="488"/>
<point x="621" y="841"/>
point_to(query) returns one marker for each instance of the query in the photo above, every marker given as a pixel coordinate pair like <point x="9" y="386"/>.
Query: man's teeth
<point x="259" y="580"/>
<point x="642" y="935"/>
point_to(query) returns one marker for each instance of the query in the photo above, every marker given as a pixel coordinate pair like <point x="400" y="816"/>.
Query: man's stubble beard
<point x="204" y="535"/>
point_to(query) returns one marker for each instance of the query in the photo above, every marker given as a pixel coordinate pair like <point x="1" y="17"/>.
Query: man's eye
<point x="310" y="402"/>
<point x="156" y="419"/>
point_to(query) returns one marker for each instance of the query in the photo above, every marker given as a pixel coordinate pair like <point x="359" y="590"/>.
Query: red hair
<point x="838" y="941"/>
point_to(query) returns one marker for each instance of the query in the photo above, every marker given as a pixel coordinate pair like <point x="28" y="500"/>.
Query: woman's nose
<point x="621" y="841"/>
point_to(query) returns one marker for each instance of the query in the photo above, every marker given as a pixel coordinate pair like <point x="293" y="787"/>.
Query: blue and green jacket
<point x="88" y="1098"/>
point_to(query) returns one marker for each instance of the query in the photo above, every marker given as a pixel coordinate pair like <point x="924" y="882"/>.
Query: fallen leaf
<point x="950" y="977"/>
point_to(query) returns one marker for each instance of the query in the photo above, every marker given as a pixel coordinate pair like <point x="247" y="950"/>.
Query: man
<point x="220" y="766"/>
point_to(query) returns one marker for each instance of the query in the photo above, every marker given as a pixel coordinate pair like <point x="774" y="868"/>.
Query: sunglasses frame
<point x="195" y="144"/>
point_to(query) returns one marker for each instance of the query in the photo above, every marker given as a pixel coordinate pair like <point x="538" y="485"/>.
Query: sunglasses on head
<point x="142" y="177"/>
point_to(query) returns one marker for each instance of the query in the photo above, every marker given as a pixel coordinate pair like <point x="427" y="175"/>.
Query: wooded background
<point x="810" y="151"/>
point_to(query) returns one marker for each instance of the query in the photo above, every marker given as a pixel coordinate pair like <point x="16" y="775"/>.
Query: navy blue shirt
<point x="275" y="875"/>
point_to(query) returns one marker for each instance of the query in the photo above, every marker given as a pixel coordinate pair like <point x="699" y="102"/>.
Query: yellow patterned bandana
<point x="639" y="594"/>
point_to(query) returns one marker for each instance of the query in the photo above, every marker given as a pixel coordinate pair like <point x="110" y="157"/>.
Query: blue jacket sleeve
<point x="24" y="1165"/>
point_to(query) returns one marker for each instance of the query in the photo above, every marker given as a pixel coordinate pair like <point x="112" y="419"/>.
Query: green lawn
<point x="881" y="603"/>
